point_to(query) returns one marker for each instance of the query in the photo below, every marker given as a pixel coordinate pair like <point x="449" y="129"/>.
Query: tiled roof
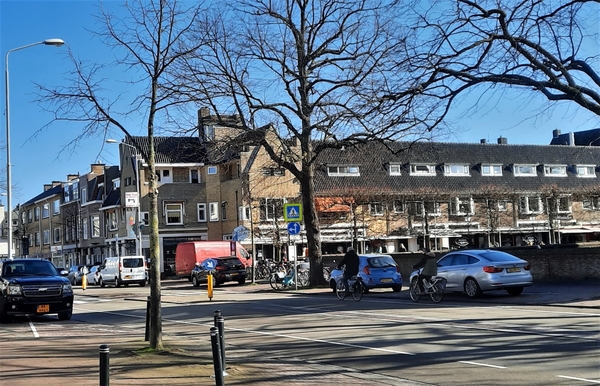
<point x="48" y="193"/>
<point x="113" y="198"/>
<point x="373" y="160"/>
<point x="179" y="150"/>
<point x="582" y="138"/>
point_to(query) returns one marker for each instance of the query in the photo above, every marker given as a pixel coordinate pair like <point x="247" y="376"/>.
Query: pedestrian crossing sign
<point x="292" y="212"/>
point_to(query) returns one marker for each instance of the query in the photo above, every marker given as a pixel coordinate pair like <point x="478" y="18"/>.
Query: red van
<point x="189" y="253"/>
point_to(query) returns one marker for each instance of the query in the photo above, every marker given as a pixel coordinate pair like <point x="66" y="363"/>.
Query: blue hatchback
<point x="377" y="271"/>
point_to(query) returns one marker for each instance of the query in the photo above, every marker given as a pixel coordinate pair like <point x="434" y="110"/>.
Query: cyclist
<point x="351" y="261"/>
<point x="429" y="264"/>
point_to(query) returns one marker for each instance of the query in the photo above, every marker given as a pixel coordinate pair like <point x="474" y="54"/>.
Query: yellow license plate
<point x="387" y="280"/>
<point x="43" y="308"/>
<point x="128" y="277"/>
<point x="509" y="270"/>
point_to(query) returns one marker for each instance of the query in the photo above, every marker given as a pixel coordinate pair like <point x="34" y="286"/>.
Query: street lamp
<point x="47" y="42"/>
<point x="139" y="193"/>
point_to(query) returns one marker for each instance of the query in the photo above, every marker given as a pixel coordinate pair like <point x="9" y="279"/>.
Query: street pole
<point x="48" y="42"/>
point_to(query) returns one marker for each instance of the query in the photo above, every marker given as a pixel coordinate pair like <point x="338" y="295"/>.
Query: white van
<point x="123" y="270"/>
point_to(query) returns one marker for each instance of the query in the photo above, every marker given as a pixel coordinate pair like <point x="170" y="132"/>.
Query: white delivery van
<point x="123" y="270"/>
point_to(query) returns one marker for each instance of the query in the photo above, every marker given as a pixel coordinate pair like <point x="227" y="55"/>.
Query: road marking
<point x="35" y="333"/>
<point x="578" y="379"/>
<point x="482" y="364"/>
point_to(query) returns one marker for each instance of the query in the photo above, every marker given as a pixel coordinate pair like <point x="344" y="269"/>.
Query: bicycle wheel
<point x="414" y="290"/>
<point x="340" y="291"/>
<point x="327" y="273"/>
<point x="358" y="291"/>
<point x="275" y="282"/>
<point x="303" y="279"/>
<point x="438" y="292"/>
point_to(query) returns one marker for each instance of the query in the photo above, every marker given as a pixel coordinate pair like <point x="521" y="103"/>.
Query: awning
<point x="333" y="204"/>
<point x="577" y="230"/>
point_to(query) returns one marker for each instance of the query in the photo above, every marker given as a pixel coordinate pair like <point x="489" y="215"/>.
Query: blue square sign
<point x="292" y="212"/>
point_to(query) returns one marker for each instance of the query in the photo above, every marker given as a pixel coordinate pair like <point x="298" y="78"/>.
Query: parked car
<point x="75" y="274"/>
<point x="93" y="275"/>
<point x="227" y="268"/>
<point x="123" y="270"/>
<point x="376" y="270"/>
<point x="474" y="271"/>
<point x="30" y="287"/>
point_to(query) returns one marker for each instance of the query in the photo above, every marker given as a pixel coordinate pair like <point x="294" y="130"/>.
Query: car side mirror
<point x="64" y="273"/>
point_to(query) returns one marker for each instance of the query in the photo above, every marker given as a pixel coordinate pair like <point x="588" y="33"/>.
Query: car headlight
<point x="67" y="288"/>
<point x="14" y="289"/>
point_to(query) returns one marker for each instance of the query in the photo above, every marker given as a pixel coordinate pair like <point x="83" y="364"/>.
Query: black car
<point x="31" y="287"/>
<point x="227" y="268"/>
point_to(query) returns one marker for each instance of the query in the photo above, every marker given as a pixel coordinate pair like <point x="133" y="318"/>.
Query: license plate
<point x="43" y="308"/>
<point x="128" y="277"/>
<point x="234" y="274"/>
<point x="387" y="280"/>
<point x="510" y="270"/>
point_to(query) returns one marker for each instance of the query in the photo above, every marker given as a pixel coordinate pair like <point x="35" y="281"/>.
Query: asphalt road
<point x="385" y="337"/>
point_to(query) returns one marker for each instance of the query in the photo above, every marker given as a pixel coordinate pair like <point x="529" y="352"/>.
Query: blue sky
<point x="38" y="160"/>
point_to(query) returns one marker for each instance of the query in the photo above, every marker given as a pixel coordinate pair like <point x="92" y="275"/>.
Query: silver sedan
<point x="474" y="271"/>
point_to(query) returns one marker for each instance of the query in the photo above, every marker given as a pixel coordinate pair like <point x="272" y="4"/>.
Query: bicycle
<point x="355" y="284"/>
<point x="434" y="288"/>
<point x="282" y="280"/>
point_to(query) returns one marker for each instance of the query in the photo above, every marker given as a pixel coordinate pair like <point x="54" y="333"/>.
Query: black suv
<point x="227" y="268"/>
<point x="34" y="287"/>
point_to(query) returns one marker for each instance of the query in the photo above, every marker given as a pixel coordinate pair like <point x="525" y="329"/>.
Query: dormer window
<point x="585" y="171"/>
<point x="339" y="171"/>
<point x="456" y="170"/>
<point x="555" y="170"/>
<point x="394" y="169"/>
<point x="491" y="170"/>
<point x="422" y="170"/>
<point x="525" y="170"/>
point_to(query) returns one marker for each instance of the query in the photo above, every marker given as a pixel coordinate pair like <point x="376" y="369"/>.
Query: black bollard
<point x="217" y="314"/>
<point x="104" y="366"/>
<point x="221" y="328"/>
<point x="147" y="333"/>
<point x="216" y="353"/>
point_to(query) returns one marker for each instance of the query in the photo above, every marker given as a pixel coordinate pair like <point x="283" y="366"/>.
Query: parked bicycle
<point x="280" y="279"/>
<point x="356" y="287"/>
<point x="434" y="288"/>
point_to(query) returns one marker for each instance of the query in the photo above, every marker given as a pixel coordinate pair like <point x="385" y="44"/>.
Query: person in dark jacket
<point x="351" y="262"/>
<point x="429" y="264"/>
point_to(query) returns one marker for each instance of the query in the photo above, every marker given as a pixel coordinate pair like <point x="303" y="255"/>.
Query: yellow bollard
<point x="209" y="279"/>
<point x="83" y="282"/>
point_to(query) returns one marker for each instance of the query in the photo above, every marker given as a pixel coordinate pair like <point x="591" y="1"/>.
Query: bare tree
<point x="310" y="71"/>
<point x="147" y="42"/>
<point x="548" y="47"/>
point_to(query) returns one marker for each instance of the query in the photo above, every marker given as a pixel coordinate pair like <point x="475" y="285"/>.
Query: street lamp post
<point x="47" y="42"/>
<point x="139" y="193"/>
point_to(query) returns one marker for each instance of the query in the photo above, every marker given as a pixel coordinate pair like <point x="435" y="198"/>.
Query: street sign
<point x="209" y="264"/>
<point x="240" y="233"/>
<point x="294" y="228"/>
<point x="132" y="199"/>
<point x="292" y="212"/>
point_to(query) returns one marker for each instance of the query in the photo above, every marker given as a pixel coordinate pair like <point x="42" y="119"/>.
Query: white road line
<point x="35" y="333"/>
<point x="578" y="379"/>
<point x="482" y="364"/>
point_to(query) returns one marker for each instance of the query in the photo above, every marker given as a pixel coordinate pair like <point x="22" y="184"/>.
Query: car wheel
<point x="365" y="289"/>
<point x="101" y="282"/>
<point x="3" y="317"/>
<point x="117" y="282"/>
<point x="472" y="288"/>
<point x="195" y="281"/>
<point x="73" y="282"/>
<point x="65" y="315"/>
<point x="515" y="291"/>
<point x="242" y="281"/>
<point x="332" y="285"/>
<point x="397" y="288"/>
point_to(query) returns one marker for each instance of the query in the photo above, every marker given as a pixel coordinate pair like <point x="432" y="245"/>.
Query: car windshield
<point x="133" y="263"/>
<point x="230" y="261"/>
<point x="381" y="262"/>
<point x="29" y="268"/>
<point x="497" y="256"/>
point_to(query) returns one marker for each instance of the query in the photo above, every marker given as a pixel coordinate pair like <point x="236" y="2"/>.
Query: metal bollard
<point x="148" y="324"/>
<point x="104" y="365"/>
<point x="217" y="314"/>
<point x="221" y="328"/>
<point x="214" y="340"/>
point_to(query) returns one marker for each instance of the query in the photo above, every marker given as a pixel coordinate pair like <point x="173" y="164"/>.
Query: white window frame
<point x="568" y="202"/>
<point x="46" y="210"/>
<point x="270" y="205"/>
<point x="162" y="178"/>
<point x="113" y="221"/>
<point x="395" y="169"/>
<point x="525" y="205"/>
<point x="585" y="171"/>
<point x="95" y="225"/>
<point x="399" y="206"/>
<point x="555" y="170"/>
<point x="201" y="212"/>
<point x="213" y="211"/>
<point x="376" y="209"/>
<point x="591" y="203"/>
<point x="56" y="235"/>
<point x="36" y="213"/>
<point x="46" y="236"/>
<point x="173" y="207"/>
<point x="457" y="202"/>
<point x="343" y="171"/>
<point x="191" y="172"/>
<point x="502" y="205"/>
<point x="55" y="207"/>
<point x="518" y="170"/>
<point x="422" y="169"/>
<point x="244" y="213"/>
<point x="75" y="190"/>
<point x="454" y="170"/>
<point x="420" y="208"/>
<point x="494" y="170"/>
<point x="211" y="170"/>
<point x="116" y="183"/>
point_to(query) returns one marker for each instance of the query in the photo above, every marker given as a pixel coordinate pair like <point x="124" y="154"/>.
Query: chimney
<point x="555" y="133"/>
<point x="71" y="177"/>
<point x="571" y="139"/>
<point x="483" y="140"/>
<point x="48" y="187"/>
<point x="97" y="168"/>
<point x="56" y="183"/>
<point x="502" y="141"/>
